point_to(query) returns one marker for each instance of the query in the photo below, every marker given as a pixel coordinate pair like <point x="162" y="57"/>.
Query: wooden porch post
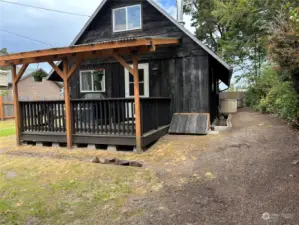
<point x="68" y="113"/>
<point x="137" y="104"/>
<point x="65" y="76"/>
<point x="1" y="108"/>
<point x="15" y="79"/>
<point x="16" y="103"/>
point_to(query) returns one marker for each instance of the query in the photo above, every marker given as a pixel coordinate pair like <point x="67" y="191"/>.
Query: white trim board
<point x="145" y="67"/>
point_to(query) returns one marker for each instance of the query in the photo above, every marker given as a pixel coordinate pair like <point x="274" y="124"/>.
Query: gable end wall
<point x="183" y="70"/>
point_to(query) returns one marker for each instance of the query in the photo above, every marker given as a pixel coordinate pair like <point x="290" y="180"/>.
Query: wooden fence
<point x="6" y="107"/>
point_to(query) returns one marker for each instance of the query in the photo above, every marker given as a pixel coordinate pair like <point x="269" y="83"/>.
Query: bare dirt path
<point x="249" y="175"/>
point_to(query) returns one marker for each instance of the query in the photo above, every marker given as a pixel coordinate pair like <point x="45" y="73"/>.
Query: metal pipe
<point x="180" y="13"/>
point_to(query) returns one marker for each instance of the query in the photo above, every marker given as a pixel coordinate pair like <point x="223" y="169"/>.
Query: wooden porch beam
<point x="137" y="104"/>
<point x="68" y="112"/>
<point x="20" y="73"/>
<point x="77" y="49"/>
<point x="85" y="55"/>
<point x="56" y="54"/>
<point x="16" y="103"/>
<point x="57" y="70"/>
<point x="123" y="62"/>
<point x="166" y="41"/>
<point x="129" y="51"/>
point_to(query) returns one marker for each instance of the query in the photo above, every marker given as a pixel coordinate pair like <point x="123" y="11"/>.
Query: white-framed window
<point x="89" y="82"/>
<point x="127" y="18"/>
<point x="143" y="72"/>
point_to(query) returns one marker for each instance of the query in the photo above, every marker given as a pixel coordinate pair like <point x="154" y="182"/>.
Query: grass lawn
<point x="58" y="191"/>
<point x="7" y="128"/>
<point x="44" y="185"/>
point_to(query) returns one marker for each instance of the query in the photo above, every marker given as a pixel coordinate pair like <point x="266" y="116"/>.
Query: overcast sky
<point x="54" y="28"/>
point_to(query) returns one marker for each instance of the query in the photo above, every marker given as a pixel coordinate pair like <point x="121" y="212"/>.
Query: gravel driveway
<point x="249" y="175"/>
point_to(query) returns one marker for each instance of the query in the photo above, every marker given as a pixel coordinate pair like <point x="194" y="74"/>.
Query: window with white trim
<point x="127" y="18"/>
<point x="91" y="81"/>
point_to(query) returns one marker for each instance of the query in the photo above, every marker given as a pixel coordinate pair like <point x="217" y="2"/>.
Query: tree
<point x="3" y="51"/>
<point x="283" y="45"/>
<point x="235" y="29"/>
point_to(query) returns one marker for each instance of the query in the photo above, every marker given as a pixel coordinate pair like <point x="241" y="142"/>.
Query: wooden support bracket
<point x="20" y="73"/>
<point x="123" y="62"/>
<point x="56" y="69"/>
<point x="74" y="67"/>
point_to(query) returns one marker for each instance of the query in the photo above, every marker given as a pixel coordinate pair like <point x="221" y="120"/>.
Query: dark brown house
<point x="180" y="78"/>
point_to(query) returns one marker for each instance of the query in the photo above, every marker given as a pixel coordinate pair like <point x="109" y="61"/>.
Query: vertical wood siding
<point x="183" y="70"/>
<point x="184" y="80"/>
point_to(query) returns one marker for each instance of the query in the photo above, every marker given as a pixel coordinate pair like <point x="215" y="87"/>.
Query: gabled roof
<point x="188" y="33"/>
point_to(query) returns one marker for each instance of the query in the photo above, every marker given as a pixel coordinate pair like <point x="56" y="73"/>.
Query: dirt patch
<point x="248" y="175"/>
<point x="245" y="176"/>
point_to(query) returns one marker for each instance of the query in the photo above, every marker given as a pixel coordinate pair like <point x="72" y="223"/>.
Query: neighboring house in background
<point x="3" y="80"/>
<point x="29" y="89"/>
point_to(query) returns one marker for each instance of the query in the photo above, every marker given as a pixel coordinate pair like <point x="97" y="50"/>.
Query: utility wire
<point x="29" y="38"/>
<point x="53" y="10"/>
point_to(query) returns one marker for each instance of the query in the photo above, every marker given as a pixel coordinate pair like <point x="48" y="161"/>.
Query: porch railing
<point x="155" y="112"/>
<point x="97" y="117"/>
<point x="104" y="116"/>
<point x="42" y="116"/>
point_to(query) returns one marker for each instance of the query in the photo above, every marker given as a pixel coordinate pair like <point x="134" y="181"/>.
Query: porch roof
<point x="104" y="48"/>
<point x="75" y="55"/>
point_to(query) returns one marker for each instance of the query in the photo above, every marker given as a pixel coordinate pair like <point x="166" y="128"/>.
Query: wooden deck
<point x="85" y="138"/>
<point x="104" y="121"/>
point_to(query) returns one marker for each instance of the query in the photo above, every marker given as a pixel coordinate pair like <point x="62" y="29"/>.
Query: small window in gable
<point x="127" y="18"/>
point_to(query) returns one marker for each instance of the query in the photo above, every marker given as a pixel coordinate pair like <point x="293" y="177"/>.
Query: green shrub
<point x="282" y="100"/>
<point x="262" y="86"/>
<point x="271" y="95"/>
<point x="3" y="93"/>
<point x="263" y="106"/>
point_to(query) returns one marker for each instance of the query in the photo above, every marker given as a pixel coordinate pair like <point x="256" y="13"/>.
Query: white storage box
<point x="228" y="105"/>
